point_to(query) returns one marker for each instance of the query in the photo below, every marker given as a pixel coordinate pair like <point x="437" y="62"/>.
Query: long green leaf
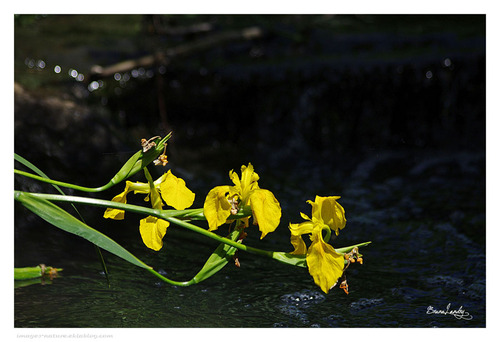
<point x="65" y="221"/>
<point x="219" y="258"/>
<point x="291" y="259"/>
<point x="348" y="249"/>
<point x="31" y="166"/>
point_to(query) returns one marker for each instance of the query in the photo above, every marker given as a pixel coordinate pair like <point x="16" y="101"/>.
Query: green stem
<point x="170" y="281"/>
<point x="216" y="237"/>
<point x="136" y="163"/>
<point x="187" y="214"/>
<point x="174" y="216"/>
<point x="24" y="273"/>
<point x="94" y="202"/>
<point x="328" y="233"/>
<point x="66" y="185"/>
<point x="168" y="215"/>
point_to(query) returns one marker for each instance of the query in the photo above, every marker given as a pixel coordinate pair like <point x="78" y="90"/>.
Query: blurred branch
<point x="173" y="31"/>
<point x="178" y="51"/>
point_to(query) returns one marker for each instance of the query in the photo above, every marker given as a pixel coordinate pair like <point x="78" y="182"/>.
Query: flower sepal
<point x="140" y="160"/>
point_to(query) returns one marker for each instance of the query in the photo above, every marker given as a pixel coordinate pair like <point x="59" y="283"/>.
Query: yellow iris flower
<point x="222" y="201"/>
<point x="324" y="263"/>
<point x="168" y="187"/>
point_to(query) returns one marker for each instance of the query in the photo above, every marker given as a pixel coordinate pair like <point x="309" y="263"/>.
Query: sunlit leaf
<point x="291" y="259"/>
<point x="42" y="174"/>
<point x="219" y="258"/>
<point x="65" y="221"/>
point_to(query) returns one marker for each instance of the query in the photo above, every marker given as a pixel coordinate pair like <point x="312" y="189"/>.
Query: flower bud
<point x="139" y="161"/>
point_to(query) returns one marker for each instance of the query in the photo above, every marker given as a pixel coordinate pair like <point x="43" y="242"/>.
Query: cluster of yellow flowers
<point x="325" y="265"/>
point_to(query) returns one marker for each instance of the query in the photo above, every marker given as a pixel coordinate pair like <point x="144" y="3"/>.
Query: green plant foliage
<point x="219" y="258"/>
<point x="24" y="273"/>
<point x="233" y="205"/>
<point x="65" y="221"/>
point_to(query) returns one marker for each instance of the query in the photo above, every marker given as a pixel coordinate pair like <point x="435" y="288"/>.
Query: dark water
<point x="420" y="257"/>
<point x="354" y="114"/>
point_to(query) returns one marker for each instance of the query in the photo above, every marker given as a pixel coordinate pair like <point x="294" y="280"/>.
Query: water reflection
<point x="94" y="85"/>
<point x="32" y="63"/>
<point x="29" y="62"/>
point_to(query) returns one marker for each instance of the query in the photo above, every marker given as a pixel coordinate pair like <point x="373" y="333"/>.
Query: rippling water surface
<point x="417" y="259"/>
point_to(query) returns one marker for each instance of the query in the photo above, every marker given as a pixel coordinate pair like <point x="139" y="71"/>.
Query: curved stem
<point x="328" y="233"/>
<point x="136" y="163"/>
<point x="64" y="184"/>
<point x="170" y="281"/>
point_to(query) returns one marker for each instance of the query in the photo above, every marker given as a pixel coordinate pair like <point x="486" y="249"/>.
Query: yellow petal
<point x="266" y="210"/>
<point x="330" y="211"/>
<point x="160" y="180"/>
<point x="325" y="264"/>
<point x="216" y="207"/>
<point x="249" y="180"/>
<point x="175" y="193"/>
<point x="305" y="217"/>
<point x="236" y="181"/>
<point x="139" y="187"/>
<point x="299" y="246"/>
<point x="152" y="232"/>
<point x="298" y="229"/>
<point x="117" y="214"/>
<point x="156" y="202"/>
